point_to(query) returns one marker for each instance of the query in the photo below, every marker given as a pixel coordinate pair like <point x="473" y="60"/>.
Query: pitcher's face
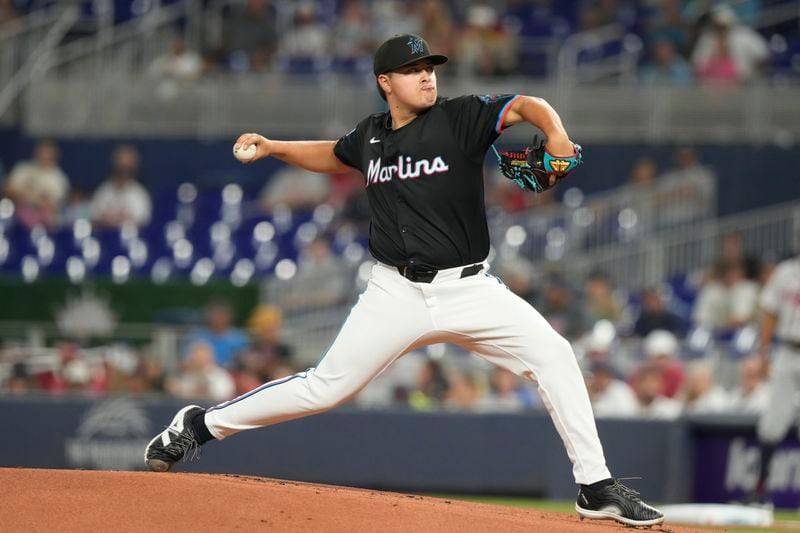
<point x="413" y="86"/>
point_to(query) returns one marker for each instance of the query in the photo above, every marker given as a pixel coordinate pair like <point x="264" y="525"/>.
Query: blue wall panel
<point x="396" y="450"/>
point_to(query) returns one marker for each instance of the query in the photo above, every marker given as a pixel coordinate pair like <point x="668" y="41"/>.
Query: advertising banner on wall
<point x="727" y="464"/>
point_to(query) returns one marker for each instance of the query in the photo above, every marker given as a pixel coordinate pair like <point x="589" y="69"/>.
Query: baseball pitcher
<point x="422" y="162"/>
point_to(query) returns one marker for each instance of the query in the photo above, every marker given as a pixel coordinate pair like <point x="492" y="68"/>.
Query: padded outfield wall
<point x="703" y="459"/>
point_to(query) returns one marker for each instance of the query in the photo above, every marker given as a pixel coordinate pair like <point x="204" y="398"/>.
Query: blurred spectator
<point x="225" y="340"/>
<point x="622" y="12"/>
<point x="600" y="301"/>
<point x="344" y="188"/>
<point x="751" y="395"/>
<point x="653" y="405"/>
<point x="178" y="67"/>
<point x="352" y="36"/>
<point x="77" y="375"/>
<point x="148" y="378"/>
<point x="732" y="249"/>
<point x="538" y="18"/>
<point x="643" y="174"/>
<point x="591" y="17"/>
<point x="666" y="24"/>
<point x="560" y="309"/>
<point x="251" y="35"/>
<point x="437" y="26"/>
<point x="73" y="372"/>
<point x="393" y="17"/>
<point x="701" y="395"/>
<point x="463" y="393"/>
<point x="728" y="52"/>
<point x="321" y="280"/>
<point x="507" y="195"/>
<point x="718" y="68"/>
<point x="431" y="387"/>
<point x="179" y="64"/>
<point x="610" y="396"/>
<point x="121" y="198"/>
<point x="38" y="187"/>
<point x="655" y="315"/>
<point x="662" y="351"/>
<point x="19" y="381"/>
<point x="747" y="11"/>
<point x="728" y="300"/>
<point x="348" y="198"/>
<point x="508" y="394"/>
<point x="267" y="354"/>
<point x="307" y="38"/>
<point x="486" y="47"/>
<point x="51" y="378"/>
<point x="200" y="377"/>
<point x="294" y="188"/>
<point x="598" y="344"/>
<point x="639" y="195"/>
<point x="122" y="365"/>
<point x="77" y="207"/>
<point x="687" y="191"/>
<point x="9" y="15"/>
<point x="666" y="67"/>
<point x="518" y="274"/>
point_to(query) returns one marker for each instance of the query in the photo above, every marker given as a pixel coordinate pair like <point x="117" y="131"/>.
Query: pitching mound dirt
<point x="75" y="500"/>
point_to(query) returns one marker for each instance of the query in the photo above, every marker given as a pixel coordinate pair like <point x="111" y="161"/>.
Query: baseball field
<point x="77" y="500"/>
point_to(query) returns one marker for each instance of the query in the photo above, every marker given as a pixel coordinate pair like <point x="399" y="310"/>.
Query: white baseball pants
<point x="784" y="391"/>
<point x="394" y="316"/>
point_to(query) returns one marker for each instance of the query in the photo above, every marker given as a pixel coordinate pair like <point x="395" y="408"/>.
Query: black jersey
<point x="424" y="181"/>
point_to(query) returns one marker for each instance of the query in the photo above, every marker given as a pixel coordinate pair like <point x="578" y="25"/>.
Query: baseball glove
<point x="532" y="168"/>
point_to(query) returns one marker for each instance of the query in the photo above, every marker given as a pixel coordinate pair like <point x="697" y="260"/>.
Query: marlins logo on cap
<point x="402" y="50"/>
<point x="416" y="44"/>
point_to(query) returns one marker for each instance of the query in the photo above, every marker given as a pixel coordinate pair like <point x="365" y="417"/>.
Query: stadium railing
<point x="624" y="214"/>
<point x="131" y="106"/>
<point x="767" y="232"/>
<point x="617" y="52"/>
<point x="18" y="42"/>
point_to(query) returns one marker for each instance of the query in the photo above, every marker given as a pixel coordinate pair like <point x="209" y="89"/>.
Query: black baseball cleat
<point x="175" y="442"/>
<point x="617" y="502"/>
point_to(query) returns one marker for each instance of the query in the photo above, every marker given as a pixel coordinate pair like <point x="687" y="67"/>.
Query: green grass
<point x="569" y="507"/>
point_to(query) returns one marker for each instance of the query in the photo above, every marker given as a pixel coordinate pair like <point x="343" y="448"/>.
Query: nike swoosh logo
<point x="374" y="140"/>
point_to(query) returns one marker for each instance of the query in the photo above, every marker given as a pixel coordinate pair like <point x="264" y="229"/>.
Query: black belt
<point x="422" y="275"/>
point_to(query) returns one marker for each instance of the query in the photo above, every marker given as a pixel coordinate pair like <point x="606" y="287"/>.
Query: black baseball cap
<point x="402" y="50"/>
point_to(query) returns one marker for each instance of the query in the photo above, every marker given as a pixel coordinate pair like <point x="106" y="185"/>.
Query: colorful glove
<point x="531" y="168"/>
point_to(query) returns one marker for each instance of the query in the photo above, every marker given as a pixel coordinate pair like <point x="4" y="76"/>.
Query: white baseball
<point x="244" y="154"/>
